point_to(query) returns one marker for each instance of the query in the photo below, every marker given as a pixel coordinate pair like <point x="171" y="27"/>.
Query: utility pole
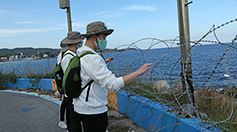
<point x="65" y="4"/>
<point x="186" y="65"/>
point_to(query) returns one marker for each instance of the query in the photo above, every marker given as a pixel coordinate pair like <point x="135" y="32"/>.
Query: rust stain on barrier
<point x="112" y="100"/>
<point x="54" y="86"/>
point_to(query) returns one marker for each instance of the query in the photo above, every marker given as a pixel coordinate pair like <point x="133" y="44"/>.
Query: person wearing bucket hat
<point x="98" y="31"/>
<point x="69" y="45"/>
<point x="97" y="27"/>
<point x="73" y="38"/>
<point x="93" y="112"/>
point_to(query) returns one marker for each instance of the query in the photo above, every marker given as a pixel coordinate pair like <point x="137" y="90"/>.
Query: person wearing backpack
<point x="64" y="100"/>
<point x="90" y="107"/>
<point x="69" y="46"/>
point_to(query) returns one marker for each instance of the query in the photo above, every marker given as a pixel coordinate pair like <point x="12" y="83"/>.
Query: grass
<point x="149" y="91"/>
<point x="219" y="106"/>
<point x="34" y="77"/>
<point x="11" y="77"/>
<point x="29" y="72"/>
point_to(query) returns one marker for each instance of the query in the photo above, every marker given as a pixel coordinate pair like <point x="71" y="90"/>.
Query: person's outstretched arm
<point x="132" y="76"/>
<point x="109" y="59"/>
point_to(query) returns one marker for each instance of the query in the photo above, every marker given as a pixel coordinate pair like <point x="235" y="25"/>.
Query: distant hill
<point x="29" y="51"/>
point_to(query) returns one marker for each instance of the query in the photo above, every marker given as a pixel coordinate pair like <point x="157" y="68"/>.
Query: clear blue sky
<point x="42" y="24"/>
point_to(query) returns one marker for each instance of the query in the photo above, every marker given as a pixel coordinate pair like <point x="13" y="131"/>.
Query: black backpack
<point x="69" y="83"/>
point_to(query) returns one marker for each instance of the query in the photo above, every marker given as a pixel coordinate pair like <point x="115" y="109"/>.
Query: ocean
<point x="166" y="65"/>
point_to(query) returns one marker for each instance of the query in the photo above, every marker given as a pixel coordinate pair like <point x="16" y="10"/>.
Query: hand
<point x="109" y="59"/>
<point x="144" y="68"/>
<point x="132" y="76"/>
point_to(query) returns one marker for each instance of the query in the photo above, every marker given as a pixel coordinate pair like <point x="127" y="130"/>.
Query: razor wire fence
<point x="214" y="74"/>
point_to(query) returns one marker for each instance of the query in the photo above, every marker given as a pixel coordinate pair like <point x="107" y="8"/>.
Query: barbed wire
<point x="176" y="103"/>
<point x="166" y="71"/>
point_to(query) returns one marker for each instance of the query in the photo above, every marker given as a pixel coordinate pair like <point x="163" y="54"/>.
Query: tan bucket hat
<point x="64" y="47"/>
<point x="73" y="37"/>
<point x="97" y="27"/>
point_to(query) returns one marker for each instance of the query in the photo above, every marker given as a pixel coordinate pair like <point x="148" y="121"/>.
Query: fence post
<point x="65" y="4"/>
<point x="69" y="21"/>
<point x="186" y="65"/>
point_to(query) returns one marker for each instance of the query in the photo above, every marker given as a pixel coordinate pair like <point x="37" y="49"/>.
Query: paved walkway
<point x="28" y="113"/>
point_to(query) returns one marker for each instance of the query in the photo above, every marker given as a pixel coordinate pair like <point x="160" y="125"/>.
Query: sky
<point x="42" y="24"/>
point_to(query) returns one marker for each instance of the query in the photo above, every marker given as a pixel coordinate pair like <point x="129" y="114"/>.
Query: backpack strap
<point x="88" y="84"/>
<point x="91" y="81"/>
<point x="63" y="54"/>
<point x="85" y="53"/>
<point x="67" y="54"/>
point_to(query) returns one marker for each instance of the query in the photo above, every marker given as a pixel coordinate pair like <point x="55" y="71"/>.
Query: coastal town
<point x="22" y="54"/>
<point x="22" y="57"/>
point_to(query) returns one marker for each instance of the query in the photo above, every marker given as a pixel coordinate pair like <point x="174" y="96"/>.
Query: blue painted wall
<point x="151" y="115"/>
<point x="45" y="84"/>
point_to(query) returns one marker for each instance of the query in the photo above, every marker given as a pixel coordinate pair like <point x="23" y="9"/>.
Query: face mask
<point x="102" y="44"/>
<point x="79" y="46"/>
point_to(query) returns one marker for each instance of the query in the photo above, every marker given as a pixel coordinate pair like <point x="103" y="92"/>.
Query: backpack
<point x="69" y="83"/>
<point x="58" y="75"/>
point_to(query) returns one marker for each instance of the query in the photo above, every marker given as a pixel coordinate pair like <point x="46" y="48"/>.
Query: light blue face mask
<point x="80" y="45"/>
<point x="101" y="44"/>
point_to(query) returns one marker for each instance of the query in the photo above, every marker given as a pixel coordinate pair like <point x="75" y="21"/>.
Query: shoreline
<point x="24" y="60"/>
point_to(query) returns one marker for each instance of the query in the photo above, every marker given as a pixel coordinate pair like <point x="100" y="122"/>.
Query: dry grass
<point x="215" y="104"/>
<point x="219" y="106"/>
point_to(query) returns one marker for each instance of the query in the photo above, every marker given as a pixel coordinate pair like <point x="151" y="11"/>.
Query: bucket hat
<point x="97" y="27"/>
<point x="73" y="37"/>
<point x="64" y="47"/>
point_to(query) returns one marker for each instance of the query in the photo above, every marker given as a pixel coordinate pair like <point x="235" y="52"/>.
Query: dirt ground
<point x="117" y="121"/>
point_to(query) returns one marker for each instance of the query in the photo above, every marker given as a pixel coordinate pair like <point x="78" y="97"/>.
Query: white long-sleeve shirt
<point x="94" y="67"/>
<point x="66" y="59"/>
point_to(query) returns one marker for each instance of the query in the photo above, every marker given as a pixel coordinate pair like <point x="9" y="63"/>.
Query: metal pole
<point x="65" y="4"/>
<point x="186" y="66"/>
<point x="69" y="18"/>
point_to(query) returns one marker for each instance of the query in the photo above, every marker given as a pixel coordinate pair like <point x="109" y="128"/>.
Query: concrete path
<point x="27" y="113"/>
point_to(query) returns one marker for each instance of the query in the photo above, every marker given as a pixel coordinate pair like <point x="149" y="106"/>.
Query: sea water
<point x="209" y="66"/>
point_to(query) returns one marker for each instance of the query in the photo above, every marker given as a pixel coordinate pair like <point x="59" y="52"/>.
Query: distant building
<point x="15" y="58"/>
<point x="12" y="58"/>
<point x="45" y="56"/>
<point x="3" y="58"/>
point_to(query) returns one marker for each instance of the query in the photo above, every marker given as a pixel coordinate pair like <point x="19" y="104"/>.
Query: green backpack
<point x="69" y="83"/>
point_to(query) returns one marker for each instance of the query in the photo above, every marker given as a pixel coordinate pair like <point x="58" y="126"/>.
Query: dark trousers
<point x="70" y="115"/>
<point x="63" y="107"/>
<point x="91" y="123"/>
<point x="68" y="106"/>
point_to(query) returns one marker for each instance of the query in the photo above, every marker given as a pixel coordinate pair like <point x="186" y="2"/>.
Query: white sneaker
<point x="62" y="125"/>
